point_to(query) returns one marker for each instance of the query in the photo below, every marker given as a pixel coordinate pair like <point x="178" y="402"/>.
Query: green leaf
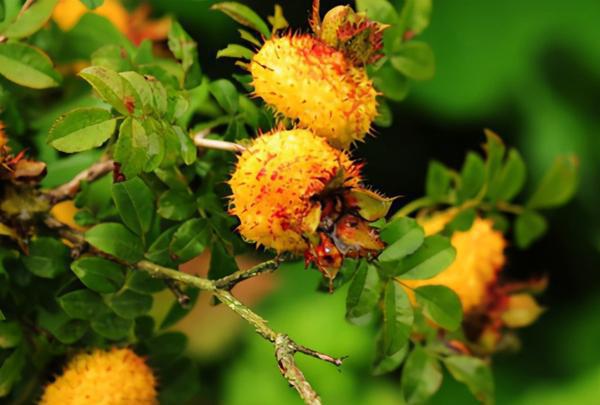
<point x="436" y="254"/>
<point x="511" y="178"/>
<point x="415" y="16"/>
<point x="178" y="104"/>
<point x="235" y="51"/>
<point x="397" y="319"/>
<point x="2" y="317"/>
<point x="243" y="15"/>
<point x="277" y="20"/>
<point x="249" y="37"/>
<point x="421" y="376"/>
<point x="383" y="363"/>
<point x="63" y="328"/>
<point x="135" y="203"/>
<point x="177" y="312"/>
<point x="226" y="95"/>
<point x="81" y="129"/>
<point x="222" y="263"/>
<point x="558" y="185"/>
<point x="164" y="72"/>
<point x="47" y="258"/>
<point x="98" y="274"/>
<point x="144" y="54"/>
<point x="27" y="66"/>
<point x="31" y="20"/>
<point x="116" y="240"/>
<point x="475" y="373"/>
<point x="83" y="304"/>
<point x="437" y="183"/>
<point x="384" y="117"/>
<point x="111" y="87"/>
<point x="156" y="151"/>
<point x="182" y="45"/>
<point x="441" y="305"/>
<point x="159" y="250"/>
<point x="472" y="177"/>
<point x="403" y="236"/>
<point x="129" y="304"/>
<point x="172" y="148"/>
<point x="142" y="282"/>
<point x="10" y="371"/>
<point x="363" y="294"/>
<point x="112" y="326"/>
<point x="462" y="221"/>
<point x="495" y="149"/>
<point x="159" y="95"/>
<point x="142" y="92"/>
<point x="92" y="4"/>
<point x="10" y="335"/>
<point x="529" y="227"/>
<point x="9" y="9"/>
<point x="144" y="327"/>
<point x="131" y="150"/>
<point x="166" y="347"/>
<point x="415" y="60"/>
<point x="390" y="82"/>
<point x="378" y="10"/>
<point x="190" y="239"/>
<point x="501" y="223"/>
<point x="189" y="151"/>
<point x="176" y="205"/>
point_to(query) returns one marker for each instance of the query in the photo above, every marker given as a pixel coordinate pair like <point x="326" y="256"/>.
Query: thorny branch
<point x="285" y="348"/>
<point x="229" y="281"/>
<point x="68" y="190"/>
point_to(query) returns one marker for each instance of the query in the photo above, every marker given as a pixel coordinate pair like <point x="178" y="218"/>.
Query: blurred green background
<point x="529" y="70"/>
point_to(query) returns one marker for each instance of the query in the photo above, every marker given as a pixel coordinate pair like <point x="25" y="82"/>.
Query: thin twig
<point x="68" y="190"/>
<point x="182" y="298"/>
<point x="285" y="348"/>
<point x="413" y="206"/>
<point x="229" y="281"/>
<point x="201" y="142"/>
<point x="336" y="361"/>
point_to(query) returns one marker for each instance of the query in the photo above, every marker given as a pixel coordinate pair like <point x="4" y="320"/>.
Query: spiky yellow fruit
<point x="479" y="258"/>
<point x="68" y="12"/>
<point x="114" y="377"/>
<point x="275" y="182"/>
<point x="319" y="87"/>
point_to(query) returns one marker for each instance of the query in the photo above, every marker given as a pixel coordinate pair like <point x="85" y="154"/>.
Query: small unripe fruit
<point x="114" y="377"/>
<point x="317" y="86"/>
